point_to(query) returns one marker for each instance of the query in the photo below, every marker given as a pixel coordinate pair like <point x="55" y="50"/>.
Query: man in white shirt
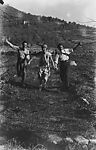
<point x="63" y="58"/>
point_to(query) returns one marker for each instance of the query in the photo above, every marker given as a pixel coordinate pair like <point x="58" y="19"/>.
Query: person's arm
<point x="35" y="54"/>
<point x="56" y="61"/>
<point x="52" y="61"/>
<point x="73" y="63"/>
<point x="11" y="45"/>
<point x="30" y="60"/>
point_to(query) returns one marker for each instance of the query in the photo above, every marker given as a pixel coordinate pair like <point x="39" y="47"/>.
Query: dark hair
<point x="23" y="42"/>
<point x="58" y="46"/>
<point x="1" y="1"/>
<point x="44" y="45"/>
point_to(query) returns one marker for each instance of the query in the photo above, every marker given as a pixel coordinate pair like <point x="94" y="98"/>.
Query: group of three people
<point x="62" y="57"/>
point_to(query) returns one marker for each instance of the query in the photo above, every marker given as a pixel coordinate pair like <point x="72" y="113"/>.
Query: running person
<point x="23" y="58"/>
<point x="44" y="65"/>
<point x="63" y="58"/>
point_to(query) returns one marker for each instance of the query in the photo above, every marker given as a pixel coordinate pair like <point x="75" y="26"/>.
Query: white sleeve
<point x="56" y="58"/>
<point x="71" y="50"/>
<point x="68" y="50"/>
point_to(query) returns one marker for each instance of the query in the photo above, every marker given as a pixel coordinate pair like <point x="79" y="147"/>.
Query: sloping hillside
<point x="58" y="120"/>
<point x="21" y="26"/>
<point x="50" y="117"/>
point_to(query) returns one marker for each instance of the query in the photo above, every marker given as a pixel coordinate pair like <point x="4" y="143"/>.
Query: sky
<point x="80" y="11"/>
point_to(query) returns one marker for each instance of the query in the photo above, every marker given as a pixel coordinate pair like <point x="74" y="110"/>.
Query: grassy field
<point x="30" y="117"/>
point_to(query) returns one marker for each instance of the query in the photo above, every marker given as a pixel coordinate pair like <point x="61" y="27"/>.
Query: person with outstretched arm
<point x="23" y="58"/>
<point x="62" y="58"/>
<point x="45" y="57"/>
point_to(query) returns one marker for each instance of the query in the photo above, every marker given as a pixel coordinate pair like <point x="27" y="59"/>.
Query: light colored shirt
<point x="44" y="58"/>
<point x="63" y="55"/>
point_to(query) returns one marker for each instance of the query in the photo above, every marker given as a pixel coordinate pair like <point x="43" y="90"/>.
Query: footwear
<point x="15" y="76"/>
<point x="40" y="87"/>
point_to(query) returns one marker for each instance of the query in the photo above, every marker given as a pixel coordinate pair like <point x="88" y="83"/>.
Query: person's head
<point x="44" y="47"/>
<point x="24" y="44"/>
<point x="60" y="47"/>
<point x="2" y="2"/>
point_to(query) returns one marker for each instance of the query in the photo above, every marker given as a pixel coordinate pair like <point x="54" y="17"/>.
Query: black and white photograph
<point x="47" y="74"/>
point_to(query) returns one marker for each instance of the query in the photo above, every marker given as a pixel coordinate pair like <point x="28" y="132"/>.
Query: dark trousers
<point x="21" y="69"/>
<point x="64" y="66"/>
